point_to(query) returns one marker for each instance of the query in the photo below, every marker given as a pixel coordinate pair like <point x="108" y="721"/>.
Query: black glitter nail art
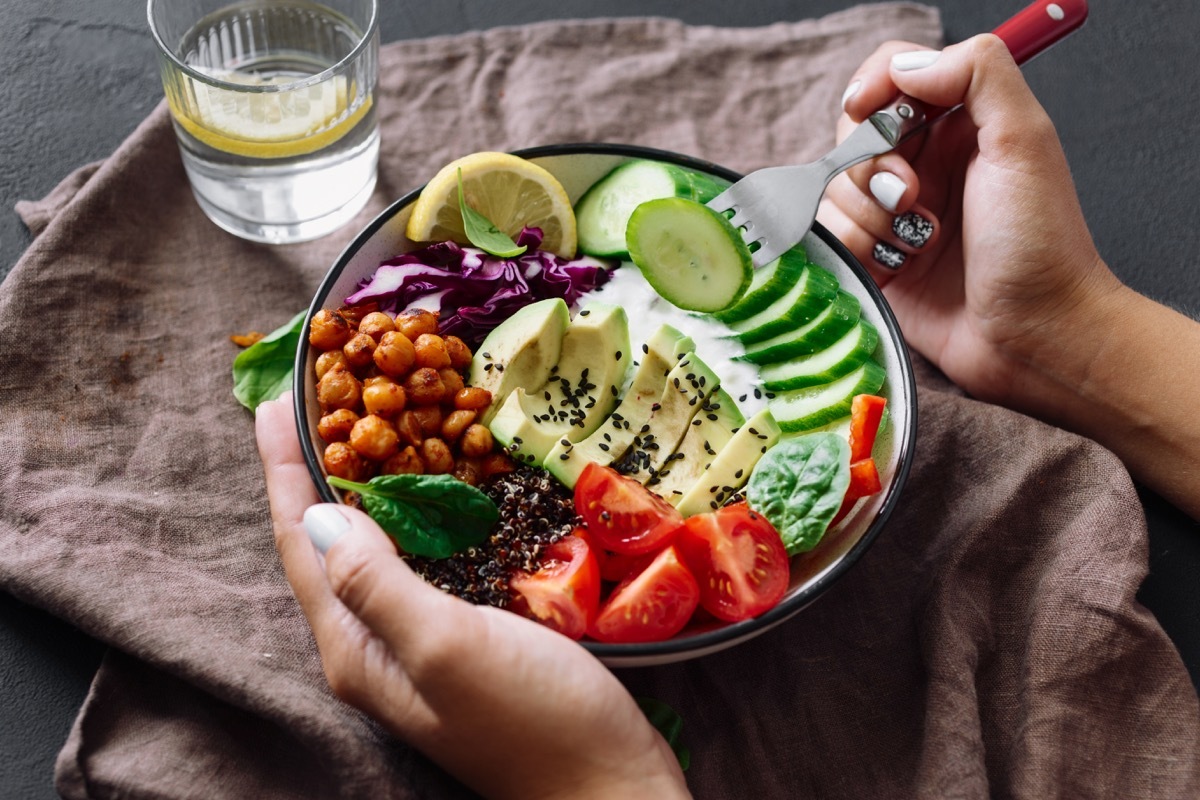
<point x="912" y="229"/>
<point x="889" y="256"/>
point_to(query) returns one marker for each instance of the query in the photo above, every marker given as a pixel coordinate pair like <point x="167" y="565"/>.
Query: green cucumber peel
<point x="482" y="232"/>
<point x="263" y="371"/>
<point x="799" y="485"/>
<point x="434" y="516"/>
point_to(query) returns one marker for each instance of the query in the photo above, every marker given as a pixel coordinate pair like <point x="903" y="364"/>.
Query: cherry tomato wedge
<point x="649" y="606"/>
<point x="738" y="559"/>
<point x="564" y="593"/>
<point x="622" y="515"/>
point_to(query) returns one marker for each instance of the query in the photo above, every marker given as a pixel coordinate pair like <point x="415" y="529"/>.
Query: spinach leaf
<point x="482" y="232"/>
<point x="263" y="371"/>
<point x="666" y="721"/>
<point x="799" y="485"/>
<point x="428" y="515"/>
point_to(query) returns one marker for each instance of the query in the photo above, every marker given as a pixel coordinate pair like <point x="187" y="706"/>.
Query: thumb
<point x="980" y="74"/>
<point x="368" y="577"/>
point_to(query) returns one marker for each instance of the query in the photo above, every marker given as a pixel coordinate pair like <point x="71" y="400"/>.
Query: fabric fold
<point x="988" y="644"/>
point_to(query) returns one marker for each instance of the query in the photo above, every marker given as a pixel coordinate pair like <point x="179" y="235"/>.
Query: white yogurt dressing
<point x="715" y="345"/>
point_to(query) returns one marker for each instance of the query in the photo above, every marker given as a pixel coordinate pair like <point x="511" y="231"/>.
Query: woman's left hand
<point x="508" y="706"/>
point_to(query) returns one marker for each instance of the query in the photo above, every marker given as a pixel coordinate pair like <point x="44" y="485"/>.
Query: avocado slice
<point x="578" y="395"/>
<point x="710" y="430"/>
<point x="661" y="352"/>
<point x="519" y="352"/>
<point x="688" y="386"/>
<point x="732" y="466"/>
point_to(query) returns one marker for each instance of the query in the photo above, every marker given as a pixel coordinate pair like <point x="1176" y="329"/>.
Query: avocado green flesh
<point x="580" y="392"/>
<point x="519" y="352"/>
<point x="732" y="466"/>
<point x="567" y="460"/>
<point x="709" y="431"/>
<point x="688" y="386"/>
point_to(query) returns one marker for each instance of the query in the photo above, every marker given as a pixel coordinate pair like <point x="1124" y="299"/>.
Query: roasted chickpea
<point x="406" y="462"/>
<point x="472" y="397"/>
<point x="359" y="351"/>
<point x="460" y="354"/>
<point x="431" y="351"/>
<point x="437" y="456"/>
<point x="329" y="330"/>
<point x="343" y="461"/>
<point x="476" y="440"/>
<point x="328" y="360"/>
<point x="395" y="355"/>
<point x="430" y="419"/>
<point x="375" y="438"/>
<point x="383" y="397"/>
<point x="455" y="423"/>
<point x="496" y="464"/>
<point x="452" y="381"/>
<point x="424" y="387"/>
<point x="339" y="389"/>
<point x="376" y="324"/>
<point x="416" y="321"/>
<point x="409" y="428"/>
<point x="467" y="470"/>
<point x="336" y="425"/>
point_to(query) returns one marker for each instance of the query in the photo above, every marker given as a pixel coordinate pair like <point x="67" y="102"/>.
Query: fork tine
<point x="765" y="254"/>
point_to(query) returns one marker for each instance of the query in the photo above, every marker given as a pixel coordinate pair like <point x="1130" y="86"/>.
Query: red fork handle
<point x="1040" y="25"/>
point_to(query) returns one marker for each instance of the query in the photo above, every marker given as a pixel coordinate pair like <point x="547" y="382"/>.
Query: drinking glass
<point x="273" y="103"/>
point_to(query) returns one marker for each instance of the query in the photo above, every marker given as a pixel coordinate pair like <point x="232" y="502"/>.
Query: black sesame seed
<point x="645" y="348"/>
<point x="585" y="312"/>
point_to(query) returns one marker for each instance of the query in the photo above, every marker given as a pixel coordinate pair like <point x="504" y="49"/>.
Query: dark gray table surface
<point x="1124" y="92"/>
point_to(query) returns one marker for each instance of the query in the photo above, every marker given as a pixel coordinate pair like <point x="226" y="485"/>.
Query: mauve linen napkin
<point x="988" y="645"/>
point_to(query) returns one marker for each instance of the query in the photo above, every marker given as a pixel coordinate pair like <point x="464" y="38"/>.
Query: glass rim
<point x="272" y="88"/>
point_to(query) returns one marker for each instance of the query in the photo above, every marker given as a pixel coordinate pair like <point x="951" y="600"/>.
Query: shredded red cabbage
<point x="477" y="291"/>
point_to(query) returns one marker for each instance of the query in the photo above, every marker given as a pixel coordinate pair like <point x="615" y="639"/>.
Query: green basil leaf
<point x="434" y="516"/>
<point x="482" y="232"/>
<point x="263" y="371"/>
<point x="666" y="721"/>
<point x="799" y="485"/>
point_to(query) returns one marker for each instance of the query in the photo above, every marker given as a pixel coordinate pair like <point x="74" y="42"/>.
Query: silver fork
<point x="775" y="207"/>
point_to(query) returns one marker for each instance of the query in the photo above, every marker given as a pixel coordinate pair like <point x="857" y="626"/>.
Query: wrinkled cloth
<point x="988" y="644"/>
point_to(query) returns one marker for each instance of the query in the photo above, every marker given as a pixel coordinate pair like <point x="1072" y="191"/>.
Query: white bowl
<point x="578" y="166"/>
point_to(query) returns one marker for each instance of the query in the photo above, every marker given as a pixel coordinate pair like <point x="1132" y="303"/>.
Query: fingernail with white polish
<point x="325" y="524"/>
<point x="851" y="90"/>
<point x="915" y="59"/>
<point x="887" y="188"/>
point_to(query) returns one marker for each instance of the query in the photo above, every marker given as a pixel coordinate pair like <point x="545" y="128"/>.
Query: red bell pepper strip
<point x="866" y="412"/>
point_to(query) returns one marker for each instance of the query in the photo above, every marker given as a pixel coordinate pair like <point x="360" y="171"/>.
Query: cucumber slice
<point x="840" y="358"/>
<point x="811" y="295"/>
<point x="602" y="214"/>
<point x="805" y="409"/>
<point x="689" y="253"/>
<point x="768" y="285"/>
<point x="826" y="328"/>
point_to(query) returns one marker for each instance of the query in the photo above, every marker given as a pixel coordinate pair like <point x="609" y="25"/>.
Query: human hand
<point x="506" y="705"/>
<point x="1008" y="275"/>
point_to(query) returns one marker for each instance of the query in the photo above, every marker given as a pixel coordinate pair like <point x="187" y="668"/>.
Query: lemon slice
<point x="508" y="190"/>
<point x="267" y="124"/>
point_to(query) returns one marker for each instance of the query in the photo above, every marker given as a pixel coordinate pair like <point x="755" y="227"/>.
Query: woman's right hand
<point x="977" y="237"/>
<point x="974" y="230"/>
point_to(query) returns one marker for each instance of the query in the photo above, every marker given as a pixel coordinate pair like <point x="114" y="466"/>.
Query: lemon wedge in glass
<point x="510" y="191"/>
<point x="269" y="124"/>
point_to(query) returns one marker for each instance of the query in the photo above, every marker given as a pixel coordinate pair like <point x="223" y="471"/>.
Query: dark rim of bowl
<point x="727" y="634"/>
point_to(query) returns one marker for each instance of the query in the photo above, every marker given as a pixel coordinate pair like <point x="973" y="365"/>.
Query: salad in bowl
<point x="554" y="378"/>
